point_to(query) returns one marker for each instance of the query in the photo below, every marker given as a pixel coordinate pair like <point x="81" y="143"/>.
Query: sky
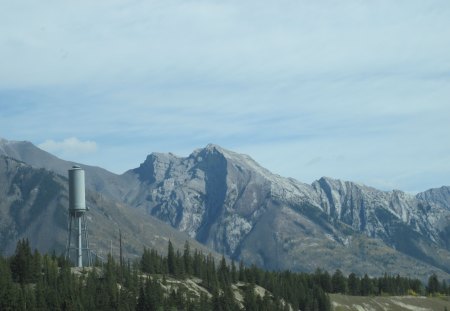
<point x="357" y="90"/>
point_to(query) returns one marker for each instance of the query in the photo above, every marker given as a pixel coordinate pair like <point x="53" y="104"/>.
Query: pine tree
<point x="179" y="265"/>
<point x="204" y="303"/>
<point x="234" y="275"/>
<point x="353" y="284"/>
<point x="338" y="282"/>
<point x="250" y="298"/>
<point x="171" y="264"/>
<point x="224" y="273"/>
<point x="242" y="277"/>
<point x="22" y="263"/>
<point x="433" y="284"/>
<point x="187" y="259"/>
<point x="110" y="282"/>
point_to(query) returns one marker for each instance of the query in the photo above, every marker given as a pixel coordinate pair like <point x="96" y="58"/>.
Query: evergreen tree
<point x="444" y="287"/>
<point x="141" y="302"/>
<point x="121" y="287"/>
<point x="242" y="277"/>
<point x="338" y="282"/>
<point x="171" y="264"/>
<point x="325" y="282"/>
<point x="204" y="303"/>
<point x="179" y="265"/>
<point x="223" y="273"/>
<point x="187" y="259"/>
<point x="433" y="284"/>
<point x="353" y="284"/>
<point x="366" y="286"/>
<point x="234" y="275"/>
<point x="250" y="298"/>
<point x="22" y="263"/>
<point x="7" y="293"/>
<point x="197" y="263"/>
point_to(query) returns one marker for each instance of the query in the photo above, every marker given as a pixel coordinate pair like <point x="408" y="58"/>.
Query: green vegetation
<point x="385" y="285"/>
<point x="31" y="281"/>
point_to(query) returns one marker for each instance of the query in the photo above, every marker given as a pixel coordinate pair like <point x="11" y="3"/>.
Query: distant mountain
<point x="34" y="205"/>
<point x="235" y="206"/>
<point x="100" y="180"/>
<point x="231" y="204"/>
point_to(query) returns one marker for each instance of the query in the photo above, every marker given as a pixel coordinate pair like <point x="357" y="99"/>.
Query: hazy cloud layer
<point x="70" y="146"/>
<point x="349" y="89"/>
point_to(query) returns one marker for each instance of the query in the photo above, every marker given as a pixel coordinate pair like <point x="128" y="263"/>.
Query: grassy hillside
<point x="388" y="303"/>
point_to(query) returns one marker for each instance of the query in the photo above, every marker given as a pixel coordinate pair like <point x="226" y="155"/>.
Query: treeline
<point x="31" y="281"/>
<point x="300" y="290"/>
<point x="377" y="286"/>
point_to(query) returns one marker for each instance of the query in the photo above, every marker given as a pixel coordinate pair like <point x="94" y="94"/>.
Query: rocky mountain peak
<point x="155" y="166"/>
<point x="439" y="196"/>
<point x="214" y="148"/>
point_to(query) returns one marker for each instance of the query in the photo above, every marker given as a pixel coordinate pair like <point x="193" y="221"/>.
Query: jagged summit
<point x="211" y="152"/>
<point x="227" y="201"/>
<point x="440" y="196"/>
<point x="216" y="149"/>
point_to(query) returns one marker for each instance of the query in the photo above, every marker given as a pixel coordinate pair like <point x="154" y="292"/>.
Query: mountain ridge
<point x="34" y="205"/>
<point x="231" y="204"/>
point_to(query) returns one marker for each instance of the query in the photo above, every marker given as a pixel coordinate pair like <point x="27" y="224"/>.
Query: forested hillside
<point x="182" y="280"/>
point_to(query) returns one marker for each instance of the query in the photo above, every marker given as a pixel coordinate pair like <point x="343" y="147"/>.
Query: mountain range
<point x="228" y="203"/>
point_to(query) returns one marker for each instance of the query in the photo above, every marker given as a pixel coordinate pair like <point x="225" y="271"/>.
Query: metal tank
<point x="77" y="200"/>
<point x="77" y="241"/>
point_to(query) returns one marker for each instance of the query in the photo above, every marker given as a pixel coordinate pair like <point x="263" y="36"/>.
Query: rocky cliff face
<point x="214" y="195"/>
<point x="367" y="209"/>
<point x="413" y="225"/>
<point x="230" y="203"/>
<point x="439" y="196"/>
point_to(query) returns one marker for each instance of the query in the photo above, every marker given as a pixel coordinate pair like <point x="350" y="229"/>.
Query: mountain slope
<point x="34" y="205"/>
<point x="97" y="179"/>
<point x="230" y="203"/>
<point x="440" y="196"/>
<point x="412" y="226"/>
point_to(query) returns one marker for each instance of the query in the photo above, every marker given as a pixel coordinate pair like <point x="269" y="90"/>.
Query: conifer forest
<point x="33" y="281"/>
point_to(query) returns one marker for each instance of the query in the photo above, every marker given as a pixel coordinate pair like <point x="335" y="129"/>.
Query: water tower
<point x="77" y="241"/>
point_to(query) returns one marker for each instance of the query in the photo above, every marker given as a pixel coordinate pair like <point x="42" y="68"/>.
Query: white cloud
<point x="288" y="81"/>
<point x="69" y="147"/>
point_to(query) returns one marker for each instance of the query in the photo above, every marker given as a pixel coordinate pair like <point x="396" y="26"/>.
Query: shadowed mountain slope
<point x="34" y="205"/>
<point x="233" y="205"/>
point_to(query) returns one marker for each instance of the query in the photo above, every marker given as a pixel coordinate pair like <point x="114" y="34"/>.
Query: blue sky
<point x="356" y="90"/>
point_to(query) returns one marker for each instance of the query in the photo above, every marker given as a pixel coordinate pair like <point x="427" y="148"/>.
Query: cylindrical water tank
<point x="77" y="201"/>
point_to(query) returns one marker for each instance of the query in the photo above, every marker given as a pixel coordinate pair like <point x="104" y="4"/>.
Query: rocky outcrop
<point x="214" y="195"/>
<point x="439" y="196"/>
